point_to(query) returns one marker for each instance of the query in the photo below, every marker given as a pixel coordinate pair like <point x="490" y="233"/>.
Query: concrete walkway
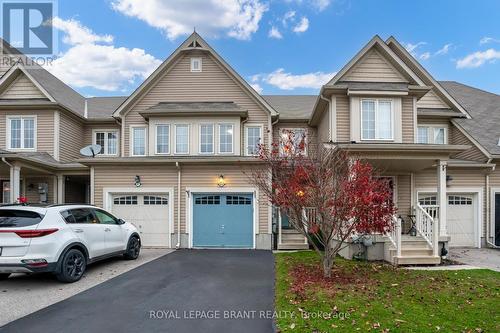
<point x="482" y="258"/>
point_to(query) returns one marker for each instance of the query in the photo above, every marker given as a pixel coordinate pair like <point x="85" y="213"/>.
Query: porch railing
<point x="395" y="235"/>
<point x="427" y="226"/>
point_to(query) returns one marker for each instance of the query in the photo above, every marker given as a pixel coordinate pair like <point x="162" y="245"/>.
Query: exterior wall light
<point x="137" y="181"/>
<point x="448" y="180"/>
<point x="220" y="181"/>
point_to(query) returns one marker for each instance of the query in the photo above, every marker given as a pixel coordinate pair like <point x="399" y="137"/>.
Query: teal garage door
<point x="223" y="220"/>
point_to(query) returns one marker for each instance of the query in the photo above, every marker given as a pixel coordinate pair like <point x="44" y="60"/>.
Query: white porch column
<point x="60" y="189"/>
<point x="441" y="196"/>
<point x="15" y="183"/>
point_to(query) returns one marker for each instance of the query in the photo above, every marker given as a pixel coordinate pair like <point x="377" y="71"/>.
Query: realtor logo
<point x="27" y="26"/>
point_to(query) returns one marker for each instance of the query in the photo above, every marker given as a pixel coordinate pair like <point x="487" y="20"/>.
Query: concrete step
<point x="417" y="251"/>
<point x="289" y="231"/>
<point x="292" y="237"/>
<point x="417" y="260"/>
<point x="293" y="246"/>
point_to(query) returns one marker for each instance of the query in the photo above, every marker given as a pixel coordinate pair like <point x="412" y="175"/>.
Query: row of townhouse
<point x="174" y="152"/>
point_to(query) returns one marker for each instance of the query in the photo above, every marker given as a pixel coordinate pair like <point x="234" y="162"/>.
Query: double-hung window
<point x="108" y="140"/>
<point x="432" y="135"/>
<point x="138" y="141"/>
<point x="22" y="132"/>
<point x="206" y="138"/>
<point x="376" y="119"/>
<point x="162" y="139"/>
<point x="181" y="139"/>
<point x="226" y="138"/>
<point x="293" y="141"/>
<point x="253" y="139"/>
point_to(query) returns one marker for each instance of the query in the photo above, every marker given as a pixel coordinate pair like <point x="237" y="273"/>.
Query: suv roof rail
<point x="13" y="204"/>
<point x="69" y="204"/>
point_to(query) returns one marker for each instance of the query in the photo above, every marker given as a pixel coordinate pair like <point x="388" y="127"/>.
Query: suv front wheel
<point x="72" y="267"/>
<point x="133" y="248"/>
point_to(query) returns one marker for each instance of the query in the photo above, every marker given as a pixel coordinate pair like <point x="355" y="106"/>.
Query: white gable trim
<point x="376" y="40"/>
<point x="12" y="74"/>
<point x="203" y="46"/>
<point x="428" y="76"/>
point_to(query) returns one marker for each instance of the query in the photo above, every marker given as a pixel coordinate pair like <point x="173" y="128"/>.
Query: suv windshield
<point x="18" y="218"/>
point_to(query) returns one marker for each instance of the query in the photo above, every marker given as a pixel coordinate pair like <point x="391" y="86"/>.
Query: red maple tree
<point x="327" y="194"/>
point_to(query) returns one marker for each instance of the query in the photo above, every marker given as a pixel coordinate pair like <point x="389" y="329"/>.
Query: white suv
<point x="62" y="239"/>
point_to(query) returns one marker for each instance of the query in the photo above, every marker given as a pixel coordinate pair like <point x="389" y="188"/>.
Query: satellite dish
<point x="91" y="150"/>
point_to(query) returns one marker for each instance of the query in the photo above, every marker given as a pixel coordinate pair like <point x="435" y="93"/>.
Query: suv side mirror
<point x="120" y="221"/>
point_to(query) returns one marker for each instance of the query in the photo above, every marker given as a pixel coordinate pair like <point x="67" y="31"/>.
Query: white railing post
<point x="279" y="226"/>
<point x="435" y="238"/>
<point x="398" y="236"/>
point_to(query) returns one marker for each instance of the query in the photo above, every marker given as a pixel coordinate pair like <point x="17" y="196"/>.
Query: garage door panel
<point x="223" y="220"/>
<point x="461" y="226"/>
<point x="149" y="213"/>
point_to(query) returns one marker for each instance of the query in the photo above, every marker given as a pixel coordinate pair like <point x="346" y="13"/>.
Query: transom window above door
<point x="108" y="140"/>
<point x="377" y="119"/>
<point x="21" y="132"/>
<point x="432" y="135"/>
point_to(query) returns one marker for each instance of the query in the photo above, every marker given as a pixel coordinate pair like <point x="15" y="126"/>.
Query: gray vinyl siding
<point x="407" y="120"/>
<point x="431" y="100"/>
<point x="324" y="126"/>
<point x="474" y="153"/>
<point x="212" y="84"/>
<point x="404" y="194"/>
<point x="375" y="68"/>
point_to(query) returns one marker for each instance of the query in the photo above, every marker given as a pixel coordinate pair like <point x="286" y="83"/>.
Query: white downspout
<point x="178" y="245"/>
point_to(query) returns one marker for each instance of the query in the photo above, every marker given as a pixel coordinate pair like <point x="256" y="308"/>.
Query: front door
<point x="223" y="220"/>
<point x="497" y="219"/>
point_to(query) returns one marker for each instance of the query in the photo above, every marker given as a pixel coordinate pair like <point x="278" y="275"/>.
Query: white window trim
<point x="213" y="138"/>
<point x="131" y="144"/>
<point x="106" y="131"/>
<point x="156" y="139"/>
<point x="293" y="129"/>
<point x="245" y="139"/>
<point x="376" y="100"/>
<point x="188" y="137"/>
<point x="430" y="133"/>
<point x="192" y="62"/>
<point x="35" y="134"/>
<point x="219" y="141"/>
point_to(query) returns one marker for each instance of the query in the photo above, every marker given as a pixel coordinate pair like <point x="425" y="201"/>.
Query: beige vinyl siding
<point x="462" y="178"/>
<point x="343" y="119"/>
<point x="373" y="67"/>
<point x="407" y="120"/>
<point x="32" y="192"/>
<point x="431" y="101"/>
<point x="70" y="138"/>
<point x="458" y="138"/>
<point x="45" y="128"/>
<point x="193" y="176"/>
<point x="324" y="126"/>
<point x="212" y="84"/>
<point x="404" y="194"/>
<point x="23" y="88"/>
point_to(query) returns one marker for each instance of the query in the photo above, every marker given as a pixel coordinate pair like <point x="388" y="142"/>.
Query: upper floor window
<point x="431" y="135"/>
<point x="162" y="139"/>
<point x="181" y="139"/>
<point x="207" y="138"/>
<point x="293" y="140"/>
<point x="376" y="119"/>
<point x="195" y="64"/>
<point x="21" y="132"/>
<point x="108" y="140"/>
<point x="253" y="139"/>
<point x="139" y="141"/>
<point x="225" y="138"/>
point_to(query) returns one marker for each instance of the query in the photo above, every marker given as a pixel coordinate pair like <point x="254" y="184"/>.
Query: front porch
<point x="41" y="183"/>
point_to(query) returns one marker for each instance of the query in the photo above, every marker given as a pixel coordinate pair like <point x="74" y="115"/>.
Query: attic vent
<point x="194" y="44"/>
<point x="195" y="64"/>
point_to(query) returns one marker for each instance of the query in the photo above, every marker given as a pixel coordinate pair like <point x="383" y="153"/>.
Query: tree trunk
<point x="327" y="264"/>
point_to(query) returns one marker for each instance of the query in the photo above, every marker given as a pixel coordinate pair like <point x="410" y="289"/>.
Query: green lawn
<point x="380" y="298"/>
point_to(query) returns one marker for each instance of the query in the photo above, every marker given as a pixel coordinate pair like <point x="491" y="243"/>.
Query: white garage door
<point x="461" y="220"/>
<point x="148" y="212"/>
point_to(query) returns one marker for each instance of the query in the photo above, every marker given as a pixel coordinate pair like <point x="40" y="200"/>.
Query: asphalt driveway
<point x="482" y="258"/>
<point x="185" y="291"/>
